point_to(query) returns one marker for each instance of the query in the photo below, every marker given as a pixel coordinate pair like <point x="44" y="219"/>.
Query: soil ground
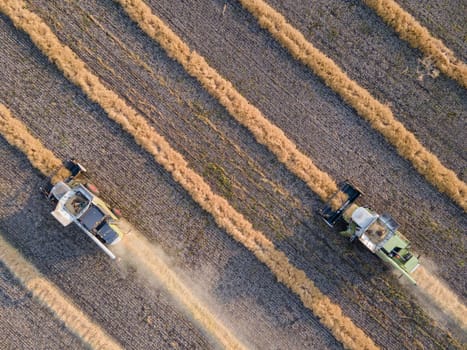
<point x="240" y="289"/>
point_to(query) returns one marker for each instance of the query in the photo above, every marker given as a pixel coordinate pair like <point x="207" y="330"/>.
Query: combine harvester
<point x="377" y="232"/>
<point x="76" y="201"/>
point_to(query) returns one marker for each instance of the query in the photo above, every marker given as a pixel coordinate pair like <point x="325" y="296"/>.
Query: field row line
<point x="378" y="115"/>
<point x="330" y="314"/>
<point x="143" y="256"/>
<point x="419" y="37"/>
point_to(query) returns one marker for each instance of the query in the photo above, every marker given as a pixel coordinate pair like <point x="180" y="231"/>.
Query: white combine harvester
<point x="77" y="202"/>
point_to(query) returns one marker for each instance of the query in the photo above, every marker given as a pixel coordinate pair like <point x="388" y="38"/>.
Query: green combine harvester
<point x="376" y="232"/>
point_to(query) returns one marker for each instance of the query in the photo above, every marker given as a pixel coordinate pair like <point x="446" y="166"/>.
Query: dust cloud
<point x="439" y="294"/>
<point x="151" y="263"/>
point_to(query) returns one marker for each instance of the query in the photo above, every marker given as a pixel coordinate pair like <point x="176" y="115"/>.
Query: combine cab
<point x="77" y="202"/>
<point x="376" y="232"/>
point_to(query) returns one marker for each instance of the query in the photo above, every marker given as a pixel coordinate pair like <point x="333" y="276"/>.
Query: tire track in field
<point x="410" y="30"/>
<point x="225" y="216"/>
<point x="46" y="162"/>
<point x="53" y="299"/>
<point x="378" y="115"/>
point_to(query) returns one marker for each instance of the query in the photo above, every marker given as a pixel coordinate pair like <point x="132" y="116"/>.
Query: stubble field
<point x="238" y="288"/>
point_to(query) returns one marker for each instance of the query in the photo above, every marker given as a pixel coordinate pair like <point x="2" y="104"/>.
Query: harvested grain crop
<point x="17" y="134"/>
<point x="53" y="299"/>
<point x="223" y="213"/>
<point x="378" y="115"/>
<point x="419" y="37"/>
<point x="238" y="106"/>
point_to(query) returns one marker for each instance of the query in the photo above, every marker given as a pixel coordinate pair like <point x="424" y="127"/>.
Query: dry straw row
<point x="16" y="133"/>
<point x="225" y="215"/>
<point x="419" y="37"/>
<point x="378" y="115"/>
<point x="53" y="299"/>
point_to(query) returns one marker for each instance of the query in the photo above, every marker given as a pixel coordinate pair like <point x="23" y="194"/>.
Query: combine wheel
<point x="117" y="212"/>
<point x="91" y="187"/>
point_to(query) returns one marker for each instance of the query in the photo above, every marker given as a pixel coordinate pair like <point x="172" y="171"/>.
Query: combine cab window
<point x="389" y="222"/>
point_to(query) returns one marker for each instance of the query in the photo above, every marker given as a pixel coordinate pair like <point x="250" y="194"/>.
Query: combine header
<point x="376" y="232"/>
<point x="77" y="202"/>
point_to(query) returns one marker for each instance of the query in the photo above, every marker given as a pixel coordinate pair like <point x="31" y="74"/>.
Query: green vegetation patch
<point x="218" y="174"/>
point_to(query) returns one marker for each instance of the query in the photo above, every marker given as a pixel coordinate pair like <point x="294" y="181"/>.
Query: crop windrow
<point x="16" y="134"/>
<point x="378" y="115"/>
<point x="329" y="314"/>
<point x="419" y="37"/>
<point x="53" y="299"/>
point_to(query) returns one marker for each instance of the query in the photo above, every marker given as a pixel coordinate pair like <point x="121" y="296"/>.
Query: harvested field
<point x="225" y="216"/>
<point x="255" y="307"/>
